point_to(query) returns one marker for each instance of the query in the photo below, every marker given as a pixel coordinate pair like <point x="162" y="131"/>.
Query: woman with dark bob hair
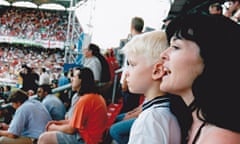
<point x="201" y="66"/>
<point x="89" y="119"/>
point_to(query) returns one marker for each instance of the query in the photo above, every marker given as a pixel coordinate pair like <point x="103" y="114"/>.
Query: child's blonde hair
<point x="150" y="44"/>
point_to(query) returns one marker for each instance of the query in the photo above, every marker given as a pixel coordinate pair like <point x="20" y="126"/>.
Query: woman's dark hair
<point x="87" y="81"/>
<point x="216" y="89"/>
<point x="183" y="115"/>
<point x="105" y="73"/>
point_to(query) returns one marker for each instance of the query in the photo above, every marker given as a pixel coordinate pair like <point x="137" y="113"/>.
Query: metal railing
<point x="68" y="86"/>
<point x="55" y="90"/>
<point x="115" y="83"/>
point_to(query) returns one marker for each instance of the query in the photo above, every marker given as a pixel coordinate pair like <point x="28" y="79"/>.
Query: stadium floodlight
<point x="71" y="8"/>
<point x="4" y="3"/>
<point x="24" y="4"/>
<point x="52" y="6"/>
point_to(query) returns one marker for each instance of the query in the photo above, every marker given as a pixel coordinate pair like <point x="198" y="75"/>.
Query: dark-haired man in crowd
<point x="29" y="121"/>
<point x="53" y="104"/>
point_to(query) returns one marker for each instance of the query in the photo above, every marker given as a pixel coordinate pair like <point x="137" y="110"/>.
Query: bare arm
<point x="62" y="126"/>
<point x="133" y="113"/>
<point x="4" y="126"/>
<point x="57" y="123"/>
<point x="7" y="134"/>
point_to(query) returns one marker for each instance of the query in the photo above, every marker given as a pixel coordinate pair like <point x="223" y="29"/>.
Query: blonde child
<point x="160" y="121"/>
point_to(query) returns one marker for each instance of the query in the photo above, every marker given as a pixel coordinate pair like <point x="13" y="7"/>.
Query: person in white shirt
<point x="44" y="77"/>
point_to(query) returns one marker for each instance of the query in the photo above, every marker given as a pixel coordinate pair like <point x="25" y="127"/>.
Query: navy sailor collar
<point x="160" y="101"/>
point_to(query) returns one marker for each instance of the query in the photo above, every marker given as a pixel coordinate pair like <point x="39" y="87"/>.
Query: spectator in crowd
<point x="5" y="117"/>
<point x="44" y="77"/>
<point x="30" y="93"/>
<point x="105" y="83"/>
<point x="53" y="104"/>
<point x="164" y="118"/>
<point x="89" y="118"/>
<point x="136" y="27"/>
<point x="30" y="78"/>
<point x="105" y="71"/>
<point x="201" y="47"/>
<point x="7" y="92"/>
<point x="75" y="85"/>
<point x="70" y="73"/>
<point x="215" y="8"/>
<point x="130" y="100"/>
<point x="112" y="62"/>
<point x="232" y="8"/>
<point x="28" y="122"/>
<point x="64" y="79"/>
<point x="63" y="95"/>
<point x="92" y="62"/>
<point x="54" y="83"/>
<point x="236" y="16"/>
<point x="1" y="92"/>
<point x="6" y="112"/>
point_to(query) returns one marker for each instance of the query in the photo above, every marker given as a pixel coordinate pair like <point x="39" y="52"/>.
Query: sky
<point x="108" y="21"/>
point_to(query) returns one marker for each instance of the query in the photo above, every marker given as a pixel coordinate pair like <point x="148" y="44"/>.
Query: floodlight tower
<point x="76" y="27"/>
<point x="67" y="42"/>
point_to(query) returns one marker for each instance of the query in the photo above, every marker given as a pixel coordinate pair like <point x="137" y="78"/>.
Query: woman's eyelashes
<point x="174" y="47"/>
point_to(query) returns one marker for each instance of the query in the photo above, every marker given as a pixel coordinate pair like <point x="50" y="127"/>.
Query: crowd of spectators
<point x="35" y="24"/>
<point x="12" y="58"/>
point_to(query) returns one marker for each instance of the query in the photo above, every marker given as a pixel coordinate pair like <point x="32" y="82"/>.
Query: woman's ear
<point x="158" y="71"/>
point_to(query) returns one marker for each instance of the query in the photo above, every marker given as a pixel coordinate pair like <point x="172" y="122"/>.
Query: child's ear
<point x="157" y="71"/>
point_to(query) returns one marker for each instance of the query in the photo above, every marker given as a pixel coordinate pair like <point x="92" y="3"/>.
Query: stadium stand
<point x="36" y="37"/>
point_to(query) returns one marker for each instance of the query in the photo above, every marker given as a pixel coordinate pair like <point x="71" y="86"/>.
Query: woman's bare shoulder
<point x="212" y="134"/>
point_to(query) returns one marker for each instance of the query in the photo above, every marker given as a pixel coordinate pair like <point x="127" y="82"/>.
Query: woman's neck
<point x="188" y="98"/>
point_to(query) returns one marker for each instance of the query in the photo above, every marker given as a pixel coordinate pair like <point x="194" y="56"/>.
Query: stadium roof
<point x="38" y="3"/>
<point x="181" y="6"/>
<point x="177" y="6"/>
